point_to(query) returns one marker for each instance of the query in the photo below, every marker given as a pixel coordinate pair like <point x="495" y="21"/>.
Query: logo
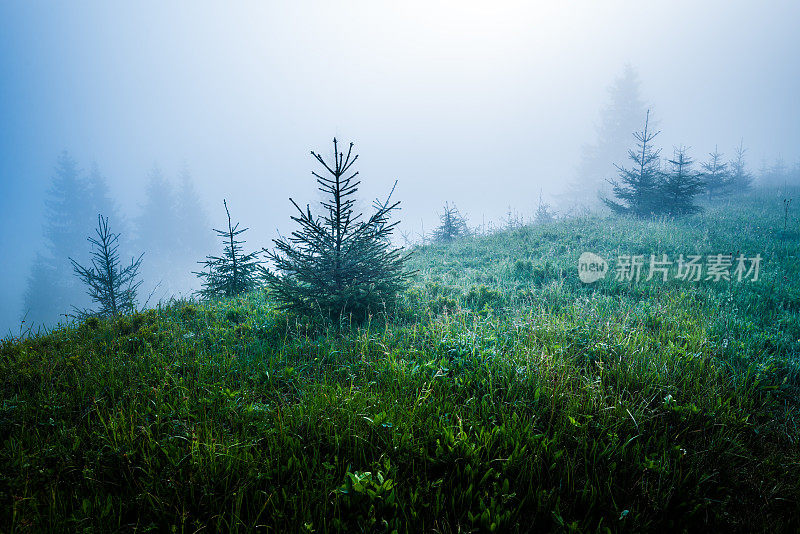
<point x="591" y="267"/>
<point x="688" y="268"/>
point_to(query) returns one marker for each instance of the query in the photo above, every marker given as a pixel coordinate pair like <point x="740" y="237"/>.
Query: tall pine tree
<point x="621" y="115"/>
<point x="51" y="291"/>
<point x="191" y="232"/>
<point x="192" y="217"/>
<point x="157" y="235"/>
<point x="100" y="198"/>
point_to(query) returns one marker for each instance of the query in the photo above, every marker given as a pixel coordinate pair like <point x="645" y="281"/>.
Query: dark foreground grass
<point x="503" y="396"/>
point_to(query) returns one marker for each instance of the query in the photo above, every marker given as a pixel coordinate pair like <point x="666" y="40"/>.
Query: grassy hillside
<point x="504" y="395"/>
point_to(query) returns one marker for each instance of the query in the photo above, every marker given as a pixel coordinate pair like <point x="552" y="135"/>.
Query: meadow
<point x="501" y="394"/>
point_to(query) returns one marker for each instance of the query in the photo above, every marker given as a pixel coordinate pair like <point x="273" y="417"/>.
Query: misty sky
<point x="477" y="103"/>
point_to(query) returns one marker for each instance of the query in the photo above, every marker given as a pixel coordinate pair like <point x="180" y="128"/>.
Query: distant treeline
<point x="650" y="181"/>
<point x="170" y="228"/>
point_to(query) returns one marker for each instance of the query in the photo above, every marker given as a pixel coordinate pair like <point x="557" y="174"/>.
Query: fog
<point x="481" y="104"/>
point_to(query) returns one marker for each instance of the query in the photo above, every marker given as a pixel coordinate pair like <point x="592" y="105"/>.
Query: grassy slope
<point x="506" y="395"/>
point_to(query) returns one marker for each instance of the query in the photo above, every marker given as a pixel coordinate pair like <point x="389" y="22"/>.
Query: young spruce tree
<point x="234" y="272"/>
<point x="452" y="225"/>
<point x="680" y="185"/>
<point x="543" y="215"/>
<point x="716" y="176"/>
<point x="111" y="286"/>
<point x="637" y="189"/>
<point x="741" y="180"/>
<point x="337" y="263"/>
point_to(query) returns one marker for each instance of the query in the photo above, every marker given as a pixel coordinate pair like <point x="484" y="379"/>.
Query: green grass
<point x="503" y="395"/>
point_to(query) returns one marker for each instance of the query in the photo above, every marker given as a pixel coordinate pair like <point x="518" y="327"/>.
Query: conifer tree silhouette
<point x="637" y="189"/>
<point x="110" y="285"/>
<point x="234" y="272"/>
<point x="338" y="263"/>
